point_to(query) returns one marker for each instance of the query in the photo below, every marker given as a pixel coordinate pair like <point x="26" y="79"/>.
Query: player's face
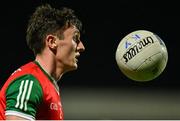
<point x="69" y="49"/>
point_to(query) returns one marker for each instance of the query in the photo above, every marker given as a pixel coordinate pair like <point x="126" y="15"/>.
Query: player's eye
<point x="76" y="38"/>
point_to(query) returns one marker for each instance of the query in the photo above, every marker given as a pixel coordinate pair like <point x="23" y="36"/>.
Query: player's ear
<point x="51" y="41"/>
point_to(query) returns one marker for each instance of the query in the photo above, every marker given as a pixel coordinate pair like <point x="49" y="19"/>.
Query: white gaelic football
<point x="142" y="55"/>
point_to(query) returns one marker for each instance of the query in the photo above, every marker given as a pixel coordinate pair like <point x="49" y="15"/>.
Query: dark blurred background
<point x="98" y="89"/>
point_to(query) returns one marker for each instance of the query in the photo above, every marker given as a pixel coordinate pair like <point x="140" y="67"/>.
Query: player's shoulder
<point x="23" y="81"/>
<point x="26" y="68"/>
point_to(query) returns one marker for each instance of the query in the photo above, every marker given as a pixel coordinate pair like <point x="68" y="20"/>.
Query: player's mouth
<point x="76" y="57"/>
<point x="76" y="60"/>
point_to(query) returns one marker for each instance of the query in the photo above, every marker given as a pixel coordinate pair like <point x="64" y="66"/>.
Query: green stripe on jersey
<point x="24" y="95"/>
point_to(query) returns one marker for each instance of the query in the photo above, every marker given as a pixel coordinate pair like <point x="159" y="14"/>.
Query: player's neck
<point x="49" y="66"/>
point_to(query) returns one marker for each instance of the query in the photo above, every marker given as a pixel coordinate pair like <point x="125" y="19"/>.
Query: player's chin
<point x="74" y="66"/>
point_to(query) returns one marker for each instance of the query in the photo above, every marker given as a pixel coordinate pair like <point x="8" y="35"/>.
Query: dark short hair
<point x="47" y="20"/>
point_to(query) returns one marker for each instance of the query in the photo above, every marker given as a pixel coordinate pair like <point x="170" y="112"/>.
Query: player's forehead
<point x="72" y="30"/>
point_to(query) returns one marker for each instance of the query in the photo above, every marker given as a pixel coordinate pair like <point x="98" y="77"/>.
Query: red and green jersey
<point x="30" y="93"/>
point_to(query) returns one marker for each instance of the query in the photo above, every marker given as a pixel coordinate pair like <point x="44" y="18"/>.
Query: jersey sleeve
<point x="23" y="96"/>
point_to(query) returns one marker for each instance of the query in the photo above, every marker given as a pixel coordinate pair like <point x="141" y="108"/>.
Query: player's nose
<point x="80" y="47"/>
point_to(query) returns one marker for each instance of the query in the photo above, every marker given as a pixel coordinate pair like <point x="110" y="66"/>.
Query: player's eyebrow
<point x="76" y="32"/>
